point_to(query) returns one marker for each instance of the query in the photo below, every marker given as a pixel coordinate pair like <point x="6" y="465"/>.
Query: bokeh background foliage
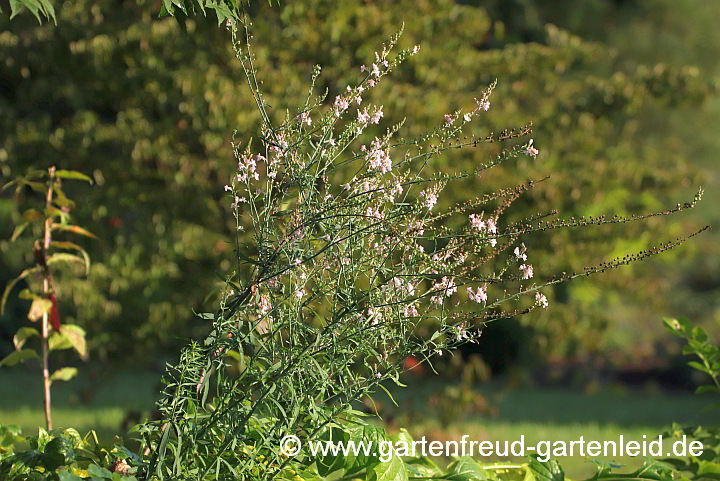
<point x="147" y="106"/>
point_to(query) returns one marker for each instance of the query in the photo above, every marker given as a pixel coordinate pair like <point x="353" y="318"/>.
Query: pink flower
<point x="363" y="117"/>
<point x="449" y="119"/>
<point x="541" y="300"/>
<point x="264" y="305"/>
<point x="467" y="117"/>
<point x="341" y="105"/>
<point x="478" y="296"/>
<point x="410" y="311"/>
<point x="530" y="150"/>
<point x="299" y="293"/>
<point x="476" y="222"/>
<point x="305" y="118"/>
<point x="491" y="227"/>
<point x="227" y="188"/>
<point x="375" y="119"/>
<point x="430" y="198"/>
<point x="415" y="49"/>
<point x="371" y="82"/>
<point x="520" y="254"/>
<point x="527" y="271"/>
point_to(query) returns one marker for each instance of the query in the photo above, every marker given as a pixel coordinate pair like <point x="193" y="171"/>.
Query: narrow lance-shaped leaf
<point x="73" y="246"/>
<point x="64" y="257"/>
<point x="12" y="284"/>
<point x="72" y="174"/>
<point x="74" y="229"/>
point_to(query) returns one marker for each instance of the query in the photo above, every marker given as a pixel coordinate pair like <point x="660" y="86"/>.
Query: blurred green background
<point x="623" y="99"/>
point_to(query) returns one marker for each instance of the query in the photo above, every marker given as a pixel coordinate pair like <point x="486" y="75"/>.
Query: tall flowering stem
<point x="354" y="268"/>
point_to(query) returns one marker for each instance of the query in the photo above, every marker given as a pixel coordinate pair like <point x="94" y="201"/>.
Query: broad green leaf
<point x="58" y="342"/>
<point x="72" y="174"/>
<point x="76" y="336"/>
<point x="39" y="307"/>
<point x="17" y="357"/>
<point x="401" y="436"/>
<point x="12" y="283"/>
<point x="97" y="472"/>
<point x="64" y="374"/>
<point x="393" y="470"/>
<point x="22" y="335"/>
<point x="422" y="467"/>
<point x="361" y="435"/>
<point x="466" y="469"/>
<point x="65" y="475"/>
<point x="74" y="229"/>
<point x="58" y="452"/>
<point x="547" y="470"/>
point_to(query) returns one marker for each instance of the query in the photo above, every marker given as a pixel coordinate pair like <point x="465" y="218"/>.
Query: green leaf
<point x="65" y="475"/>
<point x="76" y="336"/>
<point x="72" y="174"/>
<point x="17" y="357"/>
<point x="74" y="229"/>
<point x="422" y="467"/>
<point x="64" y="257"/>
<point x="22" y="335"/>
<point x="393" y="470"/>
<point x="58" y="342"/>
<point x="706" y="389"/>
<point x="466" y="469"/>
<point x="17" y="232"/>
<point x="547" y="470"/>
<point x="39" y="307"/>
<point x="64" y="374"/>
<point x="58" y="452"/>
<point x="97" y="472"/>
<point x="699" y="367"/>
<point x="75" y="247"/>
<point x="12" y="283"/>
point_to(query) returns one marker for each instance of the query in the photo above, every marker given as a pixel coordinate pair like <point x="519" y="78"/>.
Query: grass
<point x="556" y="415"/>
<point x="538" y="414"/>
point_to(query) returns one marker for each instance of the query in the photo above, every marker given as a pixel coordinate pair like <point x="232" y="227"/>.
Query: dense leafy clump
<point x="347" y="276"/>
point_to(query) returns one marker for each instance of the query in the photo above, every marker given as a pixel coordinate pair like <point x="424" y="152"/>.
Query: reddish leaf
<point x="54" y="315"/>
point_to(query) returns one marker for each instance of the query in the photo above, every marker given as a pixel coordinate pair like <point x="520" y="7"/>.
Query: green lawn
<point x="550" y="414"/>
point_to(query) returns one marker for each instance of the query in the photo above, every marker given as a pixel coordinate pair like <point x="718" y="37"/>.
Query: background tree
<point x="146" y="104"/>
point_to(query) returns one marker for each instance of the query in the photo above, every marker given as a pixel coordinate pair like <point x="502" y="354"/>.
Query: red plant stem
<point x="47" y="402"/>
